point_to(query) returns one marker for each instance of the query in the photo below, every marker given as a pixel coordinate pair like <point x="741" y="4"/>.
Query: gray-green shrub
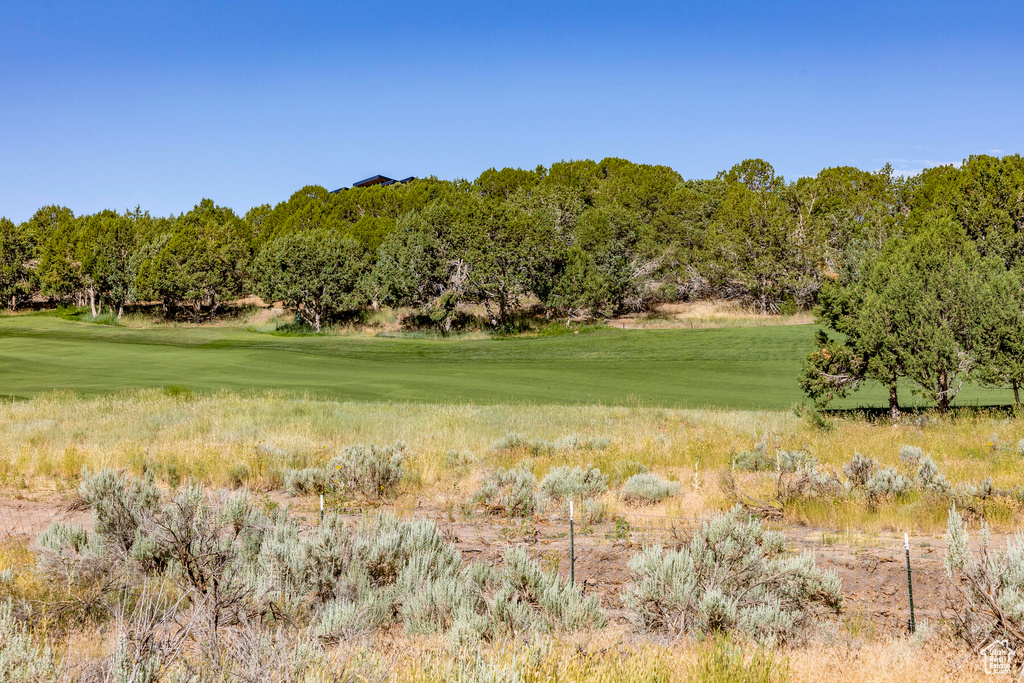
<point x="647" y="489"/>
<point x="374" y="471"/>
<point x="733" y="575"/>
<point x="120" y="504"/>
<point x="990" y="585"/>
<point x="564" y="482"/>
<point x="22" y="657"/>
<point x="368" y="470"/>
<point x="929" y="479"/>
<point x="508" y="492"/>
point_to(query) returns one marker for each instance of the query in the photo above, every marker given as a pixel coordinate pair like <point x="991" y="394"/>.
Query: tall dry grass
<point x="45" y="442"/>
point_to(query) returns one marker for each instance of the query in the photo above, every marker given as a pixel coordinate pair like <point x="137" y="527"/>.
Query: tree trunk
<point x="92" y="301"/>
<point x="1016" y="394"/>
<point x="943" y="397"/>
<point x="120" y="311"/>
<point x="894" y="404"/>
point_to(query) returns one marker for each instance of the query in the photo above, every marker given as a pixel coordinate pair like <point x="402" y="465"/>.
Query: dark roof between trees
<point x="375" y="180"/>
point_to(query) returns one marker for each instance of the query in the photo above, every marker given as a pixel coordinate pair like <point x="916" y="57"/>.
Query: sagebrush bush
<point x="733" y="575"/>
<point x="508" y="492"/>
<point x="368" y="470"/>
<point x="573" y="442"/>
<point x="647" y="489"/>
<point x="120" y="504"/>
<point x="929" y="479"/>
<point x="860" y="470"/>
<point x="562" y="483"/>
<point x="374" y="471"/>
<point x="761" y="460"/>
<point x="22" y="657"/>
<point x="887" y="483"/>
<point x="991" y="586"/>
<point x="307" y="481"/>
<point x="911" y="455"/>
<point x="234" y="563"/>
<point x="526" y="598"/>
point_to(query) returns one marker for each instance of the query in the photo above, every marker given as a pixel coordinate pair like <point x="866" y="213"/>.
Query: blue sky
<point x="109" y="105"/>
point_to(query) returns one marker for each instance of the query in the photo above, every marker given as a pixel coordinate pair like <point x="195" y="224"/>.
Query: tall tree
<point x="1001" y="349"/>
<point x="16" y="271"/>
<point x="317" y="272"/>
<point x="201" y="263"/>
<point x="923" y="301"/>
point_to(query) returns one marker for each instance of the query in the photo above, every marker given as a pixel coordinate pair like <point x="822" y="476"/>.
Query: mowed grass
<point x="738" y="368"/>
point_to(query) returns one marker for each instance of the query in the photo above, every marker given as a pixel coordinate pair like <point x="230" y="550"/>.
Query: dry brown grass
<point x="706" y="314"/>
<point x="45" y="442"/>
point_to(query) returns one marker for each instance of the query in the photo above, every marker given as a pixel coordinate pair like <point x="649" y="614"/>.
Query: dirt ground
<point x="872" y="569"/>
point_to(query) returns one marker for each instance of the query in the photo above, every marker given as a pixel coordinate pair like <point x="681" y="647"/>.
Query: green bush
<point x="624" y="469"/>
<point x="562" y="483"/>
<point x="239" y="474"/>
<point x="732" y="576"/>
<point x="647" y="489"/>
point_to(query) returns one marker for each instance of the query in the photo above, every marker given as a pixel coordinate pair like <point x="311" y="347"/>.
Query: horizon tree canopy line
<point x="916" y="278"/>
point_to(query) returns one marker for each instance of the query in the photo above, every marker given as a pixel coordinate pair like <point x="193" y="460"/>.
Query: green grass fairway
<point x="741" y="368"/>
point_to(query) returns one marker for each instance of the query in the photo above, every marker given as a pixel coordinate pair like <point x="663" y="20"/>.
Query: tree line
<point x="939" y="301"/>
<point x="884" y="257"/>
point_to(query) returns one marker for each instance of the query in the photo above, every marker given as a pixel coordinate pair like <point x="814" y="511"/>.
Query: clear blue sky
<point x="106" y="104"/>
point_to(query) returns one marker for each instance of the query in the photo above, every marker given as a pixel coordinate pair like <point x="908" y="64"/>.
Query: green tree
<point x="503" y="246"/>
<point x="316" y="272"/>
<point x="201" y="263"/>
<point x="106" y="245"/>
<point x="1001" y="347"/>
<point x="60" y="266"/>
<point x="16" y="272"/>
<point x="419" y="265"/>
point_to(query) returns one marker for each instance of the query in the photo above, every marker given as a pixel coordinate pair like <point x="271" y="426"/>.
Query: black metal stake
<point x="572" y="547"/>
<point x="910" y="585"/>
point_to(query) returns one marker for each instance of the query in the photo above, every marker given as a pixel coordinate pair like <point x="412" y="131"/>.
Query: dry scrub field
<point x="233" y="440"/>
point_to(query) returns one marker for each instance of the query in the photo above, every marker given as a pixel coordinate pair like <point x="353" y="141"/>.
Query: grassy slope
<point x="739" y="368"/>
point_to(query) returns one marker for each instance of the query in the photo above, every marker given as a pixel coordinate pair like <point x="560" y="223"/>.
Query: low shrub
<point x="929" y="479"/>
<point x="308" y="481"/>
<point x="990" y="585"/>
<point x="22" y="657"/>
<point x="562" y="483"/>
<point x="526" y="598"/>
<point x="593" y="511"/>
<point x="374" y="471"/>
<point x="573" y="442"/>
<point x="733" y="575"/>
<point x="887" y="483"/>
<point x="239" y="475"/>
<point x="371" y="471"/>
<point x="647" y="489"/>
<point x="508" y="492"/>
